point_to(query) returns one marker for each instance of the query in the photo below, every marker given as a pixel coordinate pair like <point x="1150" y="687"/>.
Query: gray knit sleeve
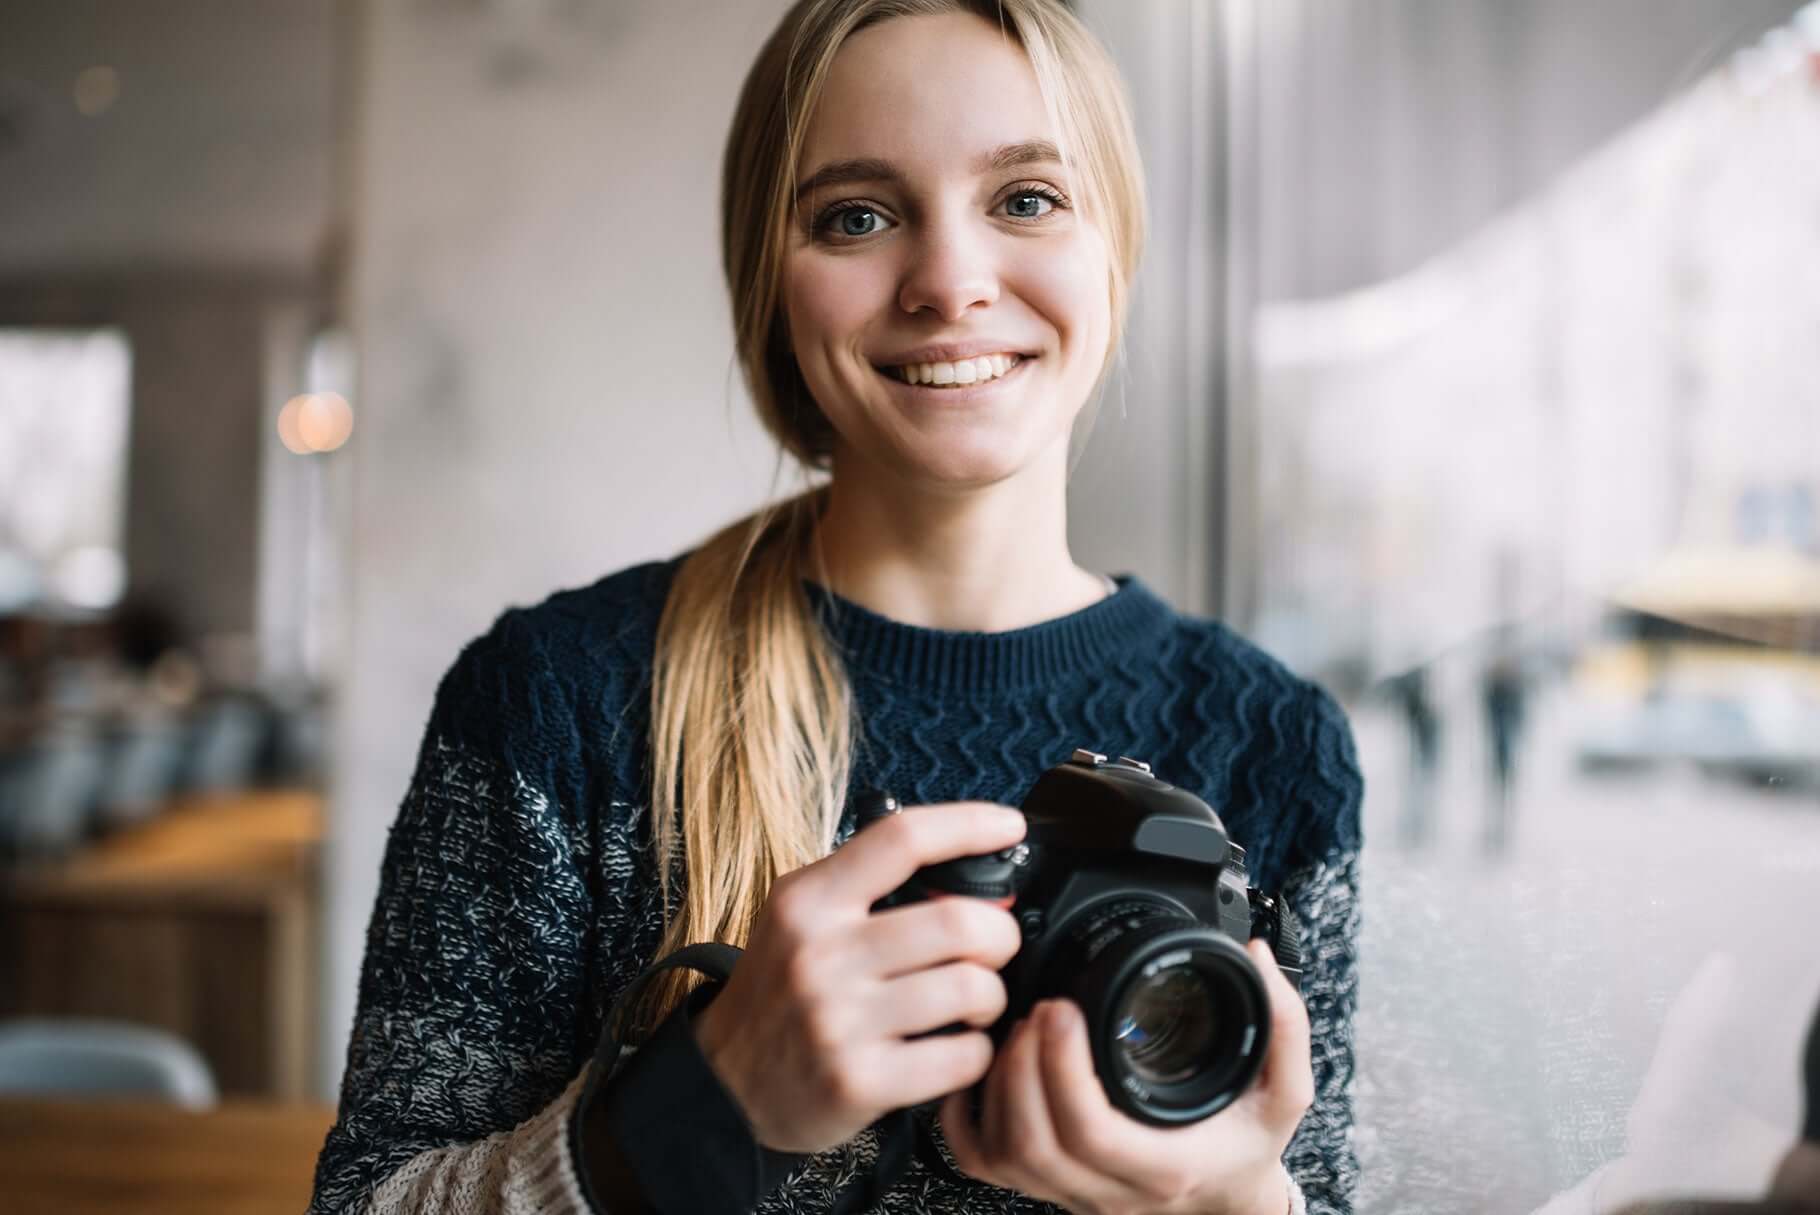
<point x="467" y="1048"/>
<point x="463" y="1062"/>
<point x="1319" y="867"/>
<point x="1321" y="1157"/>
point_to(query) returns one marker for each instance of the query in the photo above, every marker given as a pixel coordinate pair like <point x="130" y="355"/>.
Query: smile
<point x="964" y="373"/>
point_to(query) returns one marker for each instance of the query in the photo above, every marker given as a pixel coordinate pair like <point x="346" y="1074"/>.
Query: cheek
<point x="828" y="301"/>
<point x="1071" y="292"/>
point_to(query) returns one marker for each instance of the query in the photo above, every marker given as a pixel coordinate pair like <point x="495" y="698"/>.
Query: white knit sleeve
<point x="528" y="1170"/>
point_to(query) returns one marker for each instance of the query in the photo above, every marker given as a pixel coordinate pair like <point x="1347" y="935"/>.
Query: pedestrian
<point x="1410" y="692"/>
<point x="1503" y="698"/>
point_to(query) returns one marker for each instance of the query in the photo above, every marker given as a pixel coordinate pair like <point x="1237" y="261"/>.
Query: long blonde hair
<point x="752" y="719"/>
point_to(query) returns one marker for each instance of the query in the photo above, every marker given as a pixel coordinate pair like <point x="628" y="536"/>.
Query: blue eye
<point x="1028" y="204"/>
<point x="850" y="221"/>
<point x="859" y="221"/>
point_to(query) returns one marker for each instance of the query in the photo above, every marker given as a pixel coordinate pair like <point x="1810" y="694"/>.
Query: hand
<point x="1689" y="1132"/>
<point x="815" y="1034"/>
<point x="1047" y="1128"/>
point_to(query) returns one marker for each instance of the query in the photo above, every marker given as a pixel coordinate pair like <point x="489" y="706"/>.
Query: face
<point x="946" y="301"/>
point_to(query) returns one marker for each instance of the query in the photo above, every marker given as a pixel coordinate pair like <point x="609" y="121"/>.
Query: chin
<point x="954" y="452"/>
<point x="964" y="463"/>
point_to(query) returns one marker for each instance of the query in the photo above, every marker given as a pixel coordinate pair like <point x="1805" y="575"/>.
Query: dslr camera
<point x="1134" y="903"/>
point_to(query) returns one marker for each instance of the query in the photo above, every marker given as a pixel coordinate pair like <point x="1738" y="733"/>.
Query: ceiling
<point x="217" y="151"/>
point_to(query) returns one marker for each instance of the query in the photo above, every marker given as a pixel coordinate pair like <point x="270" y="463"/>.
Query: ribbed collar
<point x="1132" y="619"/>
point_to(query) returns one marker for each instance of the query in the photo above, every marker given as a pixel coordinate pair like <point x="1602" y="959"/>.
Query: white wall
<point x="547" y="390"/>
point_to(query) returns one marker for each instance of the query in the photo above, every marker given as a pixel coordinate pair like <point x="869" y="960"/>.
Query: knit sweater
<point x="518" y="895"/>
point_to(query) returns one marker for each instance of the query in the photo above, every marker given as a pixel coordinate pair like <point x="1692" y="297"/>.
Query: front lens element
<point x="1167" y="1025"/>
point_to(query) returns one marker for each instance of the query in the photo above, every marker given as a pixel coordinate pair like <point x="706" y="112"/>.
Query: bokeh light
<point x="96" y="89"/>
<point x="315" y="422"/>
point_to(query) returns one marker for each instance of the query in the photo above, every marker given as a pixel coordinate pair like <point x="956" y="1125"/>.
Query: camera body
<point x="1134" y="903"/>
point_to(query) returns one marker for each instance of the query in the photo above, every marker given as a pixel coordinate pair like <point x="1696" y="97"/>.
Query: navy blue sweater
<point x="518" y="896"/>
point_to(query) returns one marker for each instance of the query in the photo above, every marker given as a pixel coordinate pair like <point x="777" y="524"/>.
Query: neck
<point x="985" y="559"/>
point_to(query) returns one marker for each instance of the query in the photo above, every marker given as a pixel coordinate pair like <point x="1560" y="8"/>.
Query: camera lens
<point x="1177" y="1015"/>
<point x="1167" y="1025"/>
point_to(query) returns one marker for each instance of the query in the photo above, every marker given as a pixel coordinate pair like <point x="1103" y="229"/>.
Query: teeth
<point x="966" y="371"/>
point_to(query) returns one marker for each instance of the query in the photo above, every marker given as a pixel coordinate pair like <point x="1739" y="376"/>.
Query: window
<point x="64" y="402"/>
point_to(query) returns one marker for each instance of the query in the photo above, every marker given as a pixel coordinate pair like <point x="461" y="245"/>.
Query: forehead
<point x="927" y="88"/>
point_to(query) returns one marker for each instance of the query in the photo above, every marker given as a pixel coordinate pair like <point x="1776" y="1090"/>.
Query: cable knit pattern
<point x="518" y="896"/>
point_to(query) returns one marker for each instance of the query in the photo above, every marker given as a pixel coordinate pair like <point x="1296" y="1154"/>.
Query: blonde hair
<point x="751" y="727"/>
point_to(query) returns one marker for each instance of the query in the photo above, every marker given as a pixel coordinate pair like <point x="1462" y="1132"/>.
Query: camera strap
<point x="900" y="1133"/>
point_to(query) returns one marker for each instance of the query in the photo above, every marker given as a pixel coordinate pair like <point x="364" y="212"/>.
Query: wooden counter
<point x="201" y="921"/>
<point x="113" y="1157"/>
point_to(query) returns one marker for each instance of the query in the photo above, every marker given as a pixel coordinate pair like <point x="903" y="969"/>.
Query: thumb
<point x="1286" y="1085"/>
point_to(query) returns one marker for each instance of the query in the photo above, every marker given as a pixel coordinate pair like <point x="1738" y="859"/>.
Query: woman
<point x="931" y="214"/>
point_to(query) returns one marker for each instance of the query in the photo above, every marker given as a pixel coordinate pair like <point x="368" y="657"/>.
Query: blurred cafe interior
<point x="1473" y="370"/>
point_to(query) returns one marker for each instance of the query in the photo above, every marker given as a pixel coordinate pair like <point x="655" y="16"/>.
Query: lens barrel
<point x="1177" y="1014"/>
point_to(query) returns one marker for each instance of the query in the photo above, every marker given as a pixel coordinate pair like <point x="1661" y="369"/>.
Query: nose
<point x="951" y="271"/>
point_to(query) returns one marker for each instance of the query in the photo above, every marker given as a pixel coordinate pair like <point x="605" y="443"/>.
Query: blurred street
<point x="1511" y="1002"/>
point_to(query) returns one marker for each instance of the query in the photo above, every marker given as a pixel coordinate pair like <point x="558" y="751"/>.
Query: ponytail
<point x="751" y="729"/>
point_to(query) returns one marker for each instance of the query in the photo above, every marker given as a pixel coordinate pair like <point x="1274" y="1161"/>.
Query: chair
<point x="81" y="1057"/>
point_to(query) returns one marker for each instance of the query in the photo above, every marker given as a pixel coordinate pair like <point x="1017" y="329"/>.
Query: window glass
<point x="64" y="402"/>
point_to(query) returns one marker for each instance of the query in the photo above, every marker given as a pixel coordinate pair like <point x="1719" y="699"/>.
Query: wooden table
<point x="201" y="921"/>
<point x="107" y="1157"/>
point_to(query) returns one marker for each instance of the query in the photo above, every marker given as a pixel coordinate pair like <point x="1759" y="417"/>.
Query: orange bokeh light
<point x="315" y="422"/>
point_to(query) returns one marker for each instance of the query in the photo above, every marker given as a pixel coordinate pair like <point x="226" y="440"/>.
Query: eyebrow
<point x="868" y="168"/>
